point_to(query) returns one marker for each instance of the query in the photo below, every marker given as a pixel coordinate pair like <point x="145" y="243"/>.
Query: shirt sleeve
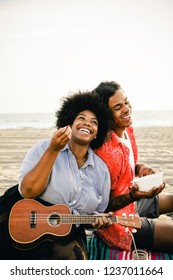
<point x="31" y="159"/>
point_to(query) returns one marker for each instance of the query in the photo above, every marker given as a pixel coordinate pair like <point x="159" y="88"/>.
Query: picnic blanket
<point x="98" y="250"/>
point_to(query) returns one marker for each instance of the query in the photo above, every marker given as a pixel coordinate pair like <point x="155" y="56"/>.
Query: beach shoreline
<point x="154" y="144"/>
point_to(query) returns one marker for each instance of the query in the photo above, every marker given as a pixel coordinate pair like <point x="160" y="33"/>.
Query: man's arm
<point x="119" y="202"/>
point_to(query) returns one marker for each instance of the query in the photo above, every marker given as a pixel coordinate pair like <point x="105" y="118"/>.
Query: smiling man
<point x="120" y="154"/>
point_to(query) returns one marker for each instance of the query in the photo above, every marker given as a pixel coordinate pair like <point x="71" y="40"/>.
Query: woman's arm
<point x="35" y="181"/>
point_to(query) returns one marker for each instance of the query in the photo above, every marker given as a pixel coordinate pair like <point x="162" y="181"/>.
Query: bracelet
<point x="132" y="197"/>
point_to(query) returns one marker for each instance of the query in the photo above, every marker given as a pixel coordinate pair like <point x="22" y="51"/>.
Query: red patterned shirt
<point x="116" y="155"/>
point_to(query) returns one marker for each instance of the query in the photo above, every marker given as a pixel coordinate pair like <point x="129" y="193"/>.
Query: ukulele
<point x="31" y="221"/>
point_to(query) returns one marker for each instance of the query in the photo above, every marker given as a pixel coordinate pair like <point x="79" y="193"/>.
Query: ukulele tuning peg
<point x="131" y="216"/>
<point x="123" y="214"/>
<point x="134" y="230"/>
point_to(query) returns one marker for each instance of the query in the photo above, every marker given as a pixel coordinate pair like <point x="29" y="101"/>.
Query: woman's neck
<point x="80" y="152"/>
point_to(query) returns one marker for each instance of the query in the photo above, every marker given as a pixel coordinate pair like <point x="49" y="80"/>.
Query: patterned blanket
<point x="98" y="250"/>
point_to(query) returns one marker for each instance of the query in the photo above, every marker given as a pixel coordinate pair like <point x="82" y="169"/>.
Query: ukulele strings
<point x="70" y="218"/>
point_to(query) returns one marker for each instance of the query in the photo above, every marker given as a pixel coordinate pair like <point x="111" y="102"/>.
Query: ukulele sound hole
<point x="54" y="219"/>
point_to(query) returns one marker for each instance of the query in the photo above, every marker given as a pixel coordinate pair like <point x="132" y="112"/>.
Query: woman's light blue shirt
<point x="85" y="190"/>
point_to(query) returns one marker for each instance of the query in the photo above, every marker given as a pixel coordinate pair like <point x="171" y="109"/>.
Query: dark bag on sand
<point x="7" y="200"/>
<point x="71" y="247"/>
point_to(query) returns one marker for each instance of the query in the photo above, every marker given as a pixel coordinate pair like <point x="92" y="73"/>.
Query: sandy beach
<point x="155" y="148"/>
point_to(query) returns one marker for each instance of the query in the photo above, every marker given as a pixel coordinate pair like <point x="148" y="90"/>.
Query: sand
<point x="155" y="148"/>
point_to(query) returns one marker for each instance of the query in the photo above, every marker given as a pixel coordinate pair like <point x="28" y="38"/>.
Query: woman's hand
<point x="60" y="138"/>
<point x="103" y="221"/>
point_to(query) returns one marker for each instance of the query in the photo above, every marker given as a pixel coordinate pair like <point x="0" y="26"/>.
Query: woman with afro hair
<point x="65" y="170"/>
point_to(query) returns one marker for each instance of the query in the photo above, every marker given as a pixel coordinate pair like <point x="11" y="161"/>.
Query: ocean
<point x="154" y="118"/>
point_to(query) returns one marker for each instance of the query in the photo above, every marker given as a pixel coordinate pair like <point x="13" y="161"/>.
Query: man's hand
<point x="143" y="170"/>
<point x="146" y="194"/>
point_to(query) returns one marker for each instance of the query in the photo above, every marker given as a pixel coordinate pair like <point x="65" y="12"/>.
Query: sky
<point x="50" y="48"/>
